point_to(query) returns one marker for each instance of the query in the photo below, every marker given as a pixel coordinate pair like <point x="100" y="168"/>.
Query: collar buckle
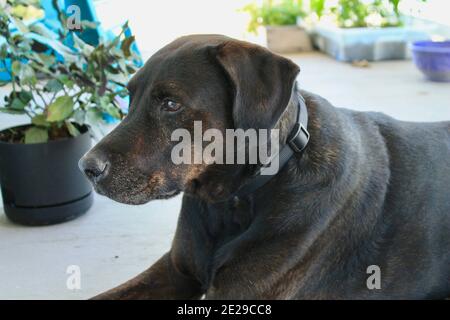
<point x="299" y="139"/>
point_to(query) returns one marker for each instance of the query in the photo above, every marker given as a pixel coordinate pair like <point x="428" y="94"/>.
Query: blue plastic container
<point x="433" y="59"/>
<point x="372" y="44"/>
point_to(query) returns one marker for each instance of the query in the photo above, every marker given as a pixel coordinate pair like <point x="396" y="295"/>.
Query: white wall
<point x="156" y="23"/>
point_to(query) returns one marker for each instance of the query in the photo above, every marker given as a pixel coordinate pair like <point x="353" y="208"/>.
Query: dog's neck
<point x="288" y="119"/>
<point x="293" y="142"/>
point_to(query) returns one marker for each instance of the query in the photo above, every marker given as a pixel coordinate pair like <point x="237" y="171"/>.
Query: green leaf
<point x="89" y="24"/>
<point x="114" y="42"/>
<point x="93" y="117"/>
<point x="72" y="129"/>
<point x="3" y="51"/>
<point x="60" y="109"/>
<point x="46" y="59"/>
<point x="27" y="75"/>
<point x="42" y="30"/>
<point x="69" y="84"/>
<point x="122" y="65"/>
<point x="113" y="111"/>
<point x="53" y="85"/>
<point x="18" y="100"/>
<point x="25" y="96"/>
<point x="131" y="69"/>
<point x="66" y="81"/>
<point x="24" y="72"/>
<point x="63" y="78"/>
<point x="17" y="104"/>
<point x="40" y="120"/>
<point x="118" y="78"/>
<point x="36" y="135"/>
<point x="79" y="115"/>
<point x="20" y="25"/>
<point x="83" y="46"/>
<point x="126" y="44"/>
<point x="68" y="54"/>
<point x="12" y="111"/>
<point x="16" y="66"/>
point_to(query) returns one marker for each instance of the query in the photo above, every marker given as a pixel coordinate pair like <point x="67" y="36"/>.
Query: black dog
<point x="368" y="189"/>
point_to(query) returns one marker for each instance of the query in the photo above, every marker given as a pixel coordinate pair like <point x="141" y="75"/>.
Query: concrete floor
<point x="114" y="242"/>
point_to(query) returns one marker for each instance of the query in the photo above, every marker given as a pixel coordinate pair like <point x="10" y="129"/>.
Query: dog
<point x="368" y="197"/>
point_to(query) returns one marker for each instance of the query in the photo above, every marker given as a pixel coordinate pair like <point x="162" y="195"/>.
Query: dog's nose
<point x="94" y="167"/>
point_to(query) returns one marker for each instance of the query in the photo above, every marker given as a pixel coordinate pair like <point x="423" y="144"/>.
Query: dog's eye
<point x="171" y="106"/>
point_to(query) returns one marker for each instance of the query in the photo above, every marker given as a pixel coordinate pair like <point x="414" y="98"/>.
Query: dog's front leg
<point x="160" y="281"/>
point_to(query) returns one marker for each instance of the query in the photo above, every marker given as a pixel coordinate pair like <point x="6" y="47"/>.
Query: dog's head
<point x="222" y="82"/>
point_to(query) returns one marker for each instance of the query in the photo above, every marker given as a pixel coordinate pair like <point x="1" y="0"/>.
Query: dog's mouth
<point x="137" y="198"/>
<point x="168" y="195"/>
<point x="136" y="193"/>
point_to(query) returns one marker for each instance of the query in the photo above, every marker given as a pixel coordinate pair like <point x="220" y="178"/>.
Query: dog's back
<point x="416" y="210"/>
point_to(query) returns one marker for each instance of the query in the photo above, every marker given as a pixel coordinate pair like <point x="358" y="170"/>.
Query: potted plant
<point x="369" y="30"/>
<point x="65" y="87"/>
<point x="279" y="18"/>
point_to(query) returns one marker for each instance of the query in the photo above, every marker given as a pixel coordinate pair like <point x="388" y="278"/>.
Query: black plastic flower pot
<point x="41" y="183"/>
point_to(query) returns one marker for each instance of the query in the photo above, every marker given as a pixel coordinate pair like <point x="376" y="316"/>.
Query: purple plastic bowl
<point x="433" y="59"/>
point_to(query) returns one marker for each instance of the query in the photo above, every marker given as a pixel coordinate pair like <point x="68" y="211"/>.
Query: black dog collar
<point x="296" y="143"/>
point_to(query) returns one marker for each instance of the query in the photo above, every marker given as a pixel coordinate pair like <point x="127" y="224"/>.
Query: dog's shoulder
<point x="388" y="128"/>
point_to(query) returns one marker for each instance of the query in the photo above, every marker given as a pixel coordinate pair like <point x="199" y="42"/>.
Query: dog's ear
<point x="262" y="81"/>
